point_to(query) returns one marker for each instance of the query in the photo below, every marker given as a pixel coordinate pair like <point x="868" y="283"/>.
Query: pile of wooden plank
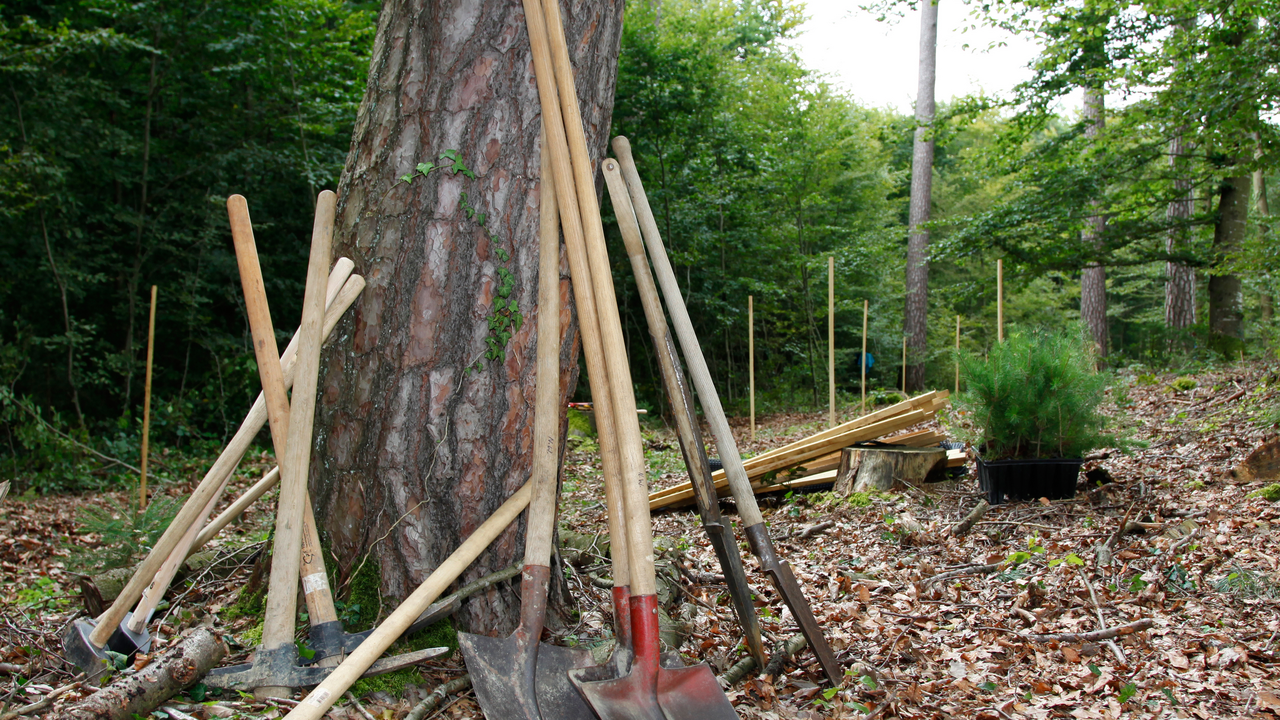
<point x="815" y="459"/>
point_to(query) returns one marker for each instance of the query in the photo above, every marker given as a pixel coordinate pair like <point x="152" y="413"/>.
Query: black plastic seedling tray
<point x="1053" y="478"/>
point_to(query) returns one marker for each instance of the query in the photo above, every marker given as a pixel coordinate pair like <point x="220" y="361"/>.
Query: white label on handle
<point x="317" y="697"/>
<point x="314" y="582"/>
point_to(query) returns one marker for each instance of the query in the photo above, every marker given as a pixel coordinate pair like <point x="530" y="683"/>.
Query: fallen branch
<point x="815" y="529"/>
<point x="1096" y="635"/>
<point x="965" y="525"/>
<point x="432" y="701"/>
<point x="449" y="604"/>
<point x="962" y="572"/>
<point x="735" y="674"/>
<point x="141" y="692"/>
<point x="46" y="701"/>
<point x="359" y="707"/>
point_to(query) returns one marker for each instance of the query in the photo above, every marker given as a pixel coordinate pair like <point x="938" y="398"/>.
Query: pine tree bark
<point x="917" y="310"/>
<point x="1180" y="280"/>
<point x="1093" y="281"/>
<point x="416" y="443"/>
<point x="1226" y="312"/>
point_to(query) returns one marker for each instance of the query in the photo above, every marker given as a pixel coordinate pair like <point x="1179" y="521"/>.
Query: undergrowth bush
<point x="124" y="534"/>
<point x="1035" y="396"/>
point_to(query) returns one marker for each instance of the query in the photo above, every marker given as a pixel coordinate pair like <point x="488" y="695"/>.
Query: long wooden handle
<point x="314" y="705"/>
<point x="630" y="446"/>
<point x="729" y="456"/>
<point x="583" y="294"/>
<point x="282" y="592"/>
<point x="156" y="590"/>
<point x="351" y="289"/>
<point x="146" y="404"/>
<point x="546" y="413"/>
<point x="215" y="479"/>
<point x="259" y="313"/>
<point x="315" y="581"/>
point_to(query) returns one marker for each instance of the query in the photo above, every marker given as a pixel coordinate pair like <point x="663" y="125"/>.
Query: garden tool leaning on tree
<point x="644" y="689"/>
<point x="757" y="534"/>
<point x="518" y="676"/>
<point x="87" y="642"/>
<point x="276" y="668"/>
<point x="718" y="532"/>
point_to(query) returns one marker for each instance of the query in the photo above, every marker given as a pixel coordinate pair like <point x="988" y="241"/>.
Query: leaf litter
<point x="927" y="625"/>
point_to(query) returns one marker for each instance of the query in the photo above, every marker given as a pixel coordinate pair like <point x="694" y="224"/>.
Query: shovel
<point x="757" y="535"/>
<point x="644" y="690"/>
<point x="588" y="325"/>
<point x="695" y="456"/>
<point x="517" y="676"/>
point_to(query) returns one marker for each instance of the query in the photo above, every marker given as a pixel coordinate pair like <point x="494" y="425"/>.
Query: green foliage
<point x="1183" y="383"/>
<point x="1270" y="493"/>
<point x="249" y="603"/>
<point x="125" y="127"/>
<point x="1036" y="395"/>
<point x="392" y="683"/>
<point x="125" y="535"/>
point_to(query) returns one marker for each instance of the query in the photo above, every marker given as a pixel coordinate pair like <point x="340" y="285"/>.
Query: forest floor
<point x="926" y="624"/>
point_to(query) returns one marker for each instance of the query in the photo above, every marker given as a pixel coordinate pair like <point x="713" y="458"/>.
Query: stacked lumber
<point x="818" y="454"/>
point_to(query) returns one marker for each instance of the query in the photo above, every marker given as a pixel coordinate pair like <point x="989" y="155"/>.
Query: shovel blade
<point x="514" y="679"/>
<point x="692" y="693"/>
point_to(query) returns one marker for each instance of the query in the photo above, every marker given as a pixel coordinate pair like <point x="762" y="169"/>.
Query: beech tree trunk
<point x="1180" y="280"/>
<point x="1226" y="314"/>
<point x="419" y="435"/>
<point x="1265" y="301"/>
<point x="1093" y="281"/>
<point x="917" y="311"/>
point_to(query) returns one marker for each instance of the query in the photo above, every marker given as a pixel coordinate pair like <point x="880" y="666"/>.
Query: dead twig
<point x="965" y="525"/>
<point x="962" y="572"/>
<point x="1102" y="624"/>
<point x="815" y="529"/>
<point x="437" y="696"/>
<point x="1076" y="638"/>
<point x="359" y="707"/>
<point x="43" y="703"/>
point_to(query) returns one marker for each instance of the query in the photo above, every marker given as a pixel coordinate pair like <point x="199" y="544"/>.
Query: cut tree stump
<point x="141" y="692"/>
<point x="864" y="468"/>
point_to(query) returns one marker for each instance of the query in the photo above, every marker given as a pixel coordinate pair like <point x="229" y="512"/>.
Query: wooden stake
<point x="831" y="341"/>
<point x="904" y="365"/>
<point x="863" y="361"/>
<point x="146" y="403"/>
<point x="957" y="355"/>
<point x="751" y="360"/>
<point x="1000" y="300"/>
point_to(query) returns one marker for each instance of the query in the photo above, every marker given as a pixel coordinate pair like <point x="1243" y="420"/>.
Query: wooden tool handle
<point x="282" y="592"/>
<point x="635" y="480"/>
<point x="748" y="510"/>
<point x="214" y="481"/>
<point x="583" y="295"/>
<point x="314" y="705"/>
<point x="337" y="308"/>
<point x="546" y="413"/>
<point x="156" y="590"/>
<point x="315" y="581"/>
<point x="264" y="334"/>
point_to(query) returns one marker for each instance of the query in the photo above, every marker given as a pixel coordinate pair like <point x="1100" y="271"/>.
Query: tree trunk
<point x="917" y="312"/>
<point x="867" y="469"/>
<point x="1093" y="282"/>
<point x="1226" y="315"/>
<point x="419" y="435"/>
<point x="1265" y="301"/>
<point x="1180" y="280"/>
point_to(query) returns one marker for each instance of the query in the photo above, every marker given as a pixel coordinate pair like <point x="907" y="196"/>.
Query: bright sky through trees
<point x="876" y="61"/>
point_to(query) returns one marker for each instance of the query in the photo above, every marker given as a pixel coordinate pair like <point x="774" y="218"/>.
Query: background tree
<point x="917" y="311"/>
<point x="425" y="426"/>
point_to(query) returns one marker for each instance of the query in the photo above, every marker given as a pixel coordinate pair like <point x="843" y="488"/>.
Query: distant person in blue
<point x="871" y="361"/>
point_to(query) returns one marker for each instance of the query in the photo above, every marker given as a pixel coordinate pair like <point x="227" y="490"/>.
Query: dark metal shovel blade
<point x="511" y="683"/>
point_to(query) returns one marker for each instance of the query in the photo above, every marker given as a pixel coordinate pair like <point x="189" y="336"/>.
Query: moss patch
<point x="248" y="604"/>
<point x="440" y="634"/>
<point x="393" y="683"/>
<point x="1270" y="492"/>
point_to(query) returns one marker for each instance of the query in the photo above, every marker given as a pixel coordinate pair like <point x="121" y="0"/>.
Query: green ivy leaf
<point x="426" y="167"/>
<point x="407" y="179"/>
